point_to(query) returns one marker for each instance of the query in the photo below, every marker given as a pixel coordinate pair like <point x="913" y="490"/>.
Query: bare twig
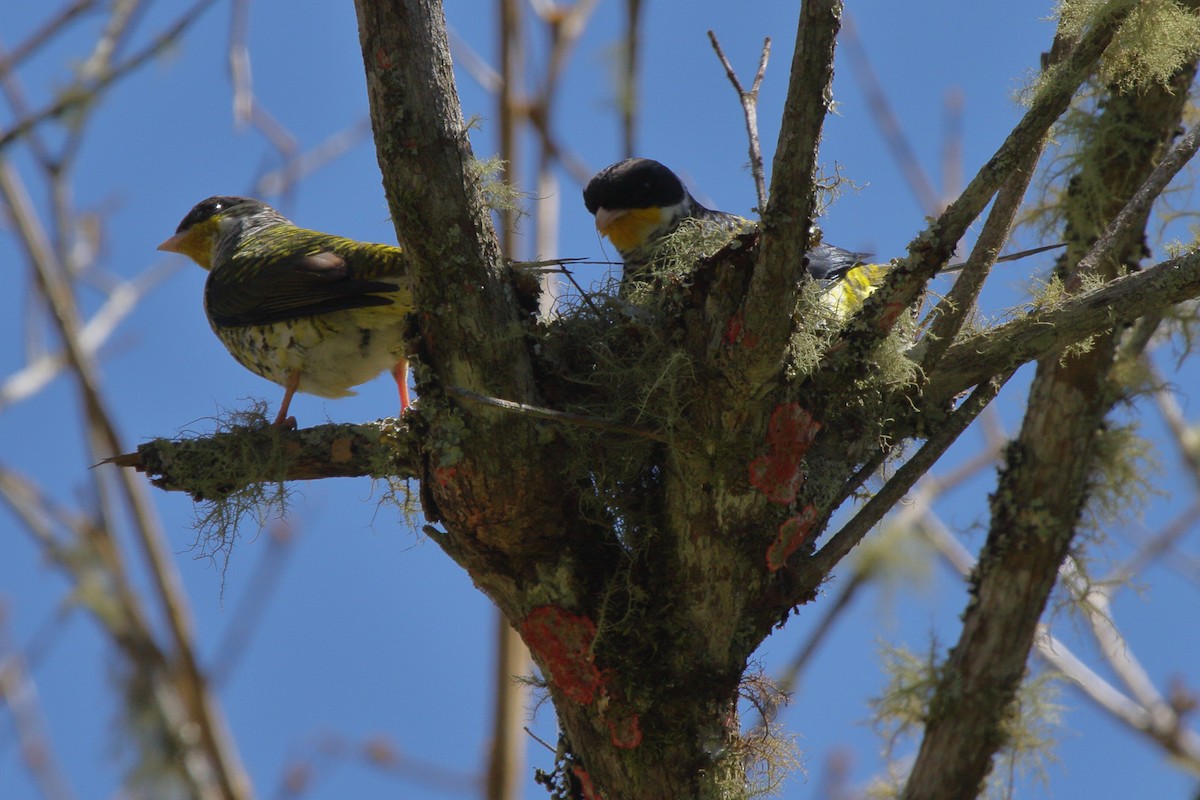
<point x="885" y="118"/>
<point x="84" y="95"/>
<point x="563" y="417"/>
<point x="749" y="101"/>
<point x="49" y="29"/>
<point x="1152" y="716"/>
<point x="841" y="543"/>
<point x="52" y="283"/>
<point x="627" y="92"/>
<point x="1135" y="211"/>
<point x="19" y="694"/>
<point x="122" y="299"/>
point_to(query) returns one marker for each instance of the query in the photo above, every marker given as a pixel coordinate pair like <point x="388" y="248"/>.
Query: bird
<point x="312" y="312"/>
<point x="638" y="202"/>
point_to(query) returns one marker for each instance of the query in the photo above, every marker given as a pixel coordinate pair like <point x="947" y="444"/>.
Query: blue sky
<point x="370" y="629"/>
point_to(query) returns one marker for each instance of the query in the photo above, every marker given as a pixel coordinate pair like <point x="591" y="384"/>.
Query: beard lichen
<point x="230" y="488"/>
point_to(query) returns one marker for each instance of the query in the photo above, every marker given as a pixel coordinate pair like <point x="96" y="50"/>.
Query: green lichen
<point x="238" y="485"/>
<point x="901" y="711"/>
<point x="1157" y="38"/>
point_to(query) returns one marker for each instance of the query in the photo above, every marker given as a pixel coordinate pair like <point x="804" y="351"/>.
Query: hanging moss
<point x="1157" y="38"/>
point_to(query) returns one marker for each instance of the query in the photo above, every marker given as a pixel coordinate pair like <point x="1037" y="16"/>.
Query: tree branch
<point x="749" y="103"/>
<point x="931" y="248"/>
<point x="1046" y="330"/>
<point x="210" y="467"/>
<point x="785" y="220"/>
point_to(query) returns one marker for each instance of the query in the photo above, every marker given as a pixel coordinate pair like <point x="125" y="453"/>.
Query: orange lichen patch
<point x="563" y="642"/>
<point x="444" y="475"/>
<point x="792" y="533"/>
<point x="891" y="313"/>
<point x="789" y="435"/>
<point x="735" y="332"/>
<point x="624" y="727"/>
<point x="733" y="328"/>
<point x="586" y="789"/>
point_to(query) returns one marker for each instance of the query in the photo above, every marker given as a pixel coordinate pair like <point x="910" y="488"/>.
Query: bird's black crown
<point x="207" y="209"/>
<point x="633" y="183"/>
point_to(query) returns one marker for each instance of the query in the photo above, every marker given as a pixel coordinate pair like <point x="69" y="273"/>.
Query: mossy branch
<point x="930" y="250"/>
<point x="210" y="467"/>
<point x="1045" y="330"/>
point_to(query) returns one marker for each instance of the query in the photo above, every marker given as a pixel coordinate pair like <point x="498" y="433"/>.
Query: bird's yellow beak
<point x="196" y="243"/>
<point x="629" y="228"/>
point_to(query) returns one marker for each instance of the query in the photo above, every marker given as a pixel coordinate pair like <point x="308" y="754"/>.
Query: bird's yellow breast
<point x="634" y="228"/>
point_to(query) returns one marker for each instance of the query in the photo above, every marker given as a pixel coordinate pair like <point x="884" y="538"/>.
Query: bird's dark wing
<point x="829" y="262"/>
<point x="722" y="219"/>
<point x="289" y="288"/>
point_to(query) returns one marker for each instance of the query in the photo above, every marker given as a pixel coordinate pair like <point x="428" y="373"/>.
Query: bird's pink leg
<point x="282" y="420"/>
<point x="400" y="373"/>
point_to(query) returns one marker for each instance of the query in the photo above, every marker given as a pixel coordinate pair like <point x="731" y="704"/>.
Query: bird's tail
<point x="848" y="292"/>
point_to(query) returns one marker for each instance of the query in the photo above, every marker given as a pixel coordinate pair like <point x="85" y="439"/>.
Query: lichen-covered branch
<point x="210" y="467"/>
<point x="785" y="220"/>
<point x="930" y="250"/>
<point x="1050" y="471"/>
<point x="1046" y="330"/>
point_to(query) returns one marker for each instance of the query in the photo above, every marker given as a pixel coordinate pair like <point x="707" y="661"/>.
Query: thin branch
<point x="786" y="219"/>
<point x="1165" y="729"/>
<point x="931" y="248"/>
<point x="49" y="29"/>
<point x="1135" y="211"/>
<point x="956" y="307"/>
<point x="627" y="92"/>
<point x="121" y="301"/>
<point x="841" y="543"/>
<point x="561" y="417"/>
<point x="54" y="287"/>
<point x="885" y="119"/>
<point x="83" y="95"/>
<point x="749" y="102"/>
<point x="19" y="694"/>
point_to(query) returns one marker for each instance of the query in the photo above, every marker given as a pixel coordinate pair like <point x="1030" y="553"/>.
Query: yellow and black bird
<point x="312" y="312"/>
<point x="638" y="202"/>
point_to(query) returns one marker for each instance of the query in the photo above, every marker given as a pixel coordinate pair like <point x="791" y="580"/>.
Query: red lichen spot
<point x="444" y="475"/>
<point x="891" y="313"/>
<point x="792" y="533"/>
<point x="624" y="727"/>
<point x="733" y="329"/>
<point x="587" y="790"/>
<point x="563" y="642"/>
<point x="382" y="59"/>
<point x="789" y="434"/>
